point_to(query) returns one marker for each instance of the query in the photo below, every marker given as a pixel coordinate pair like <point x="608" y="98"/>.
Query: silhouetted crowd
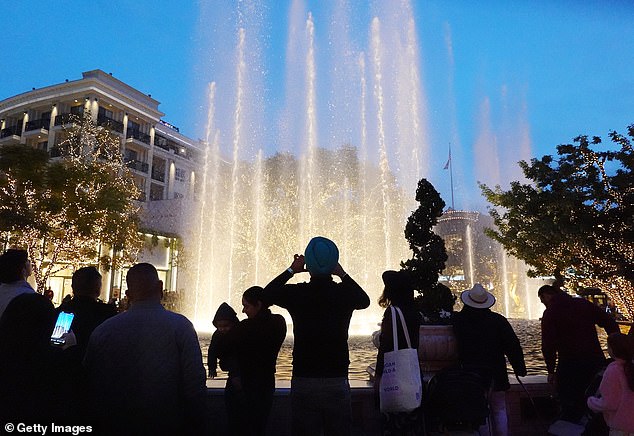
<point x="140" y="371"/>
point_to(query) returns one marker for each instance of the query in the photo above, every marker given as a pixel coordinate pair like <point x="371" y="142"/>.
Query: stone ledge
<point x="524" y="419"/>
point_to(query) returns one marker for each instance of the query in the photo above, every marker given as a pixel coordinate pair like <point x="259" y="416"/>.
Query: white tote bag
<point x="400" y="389"/>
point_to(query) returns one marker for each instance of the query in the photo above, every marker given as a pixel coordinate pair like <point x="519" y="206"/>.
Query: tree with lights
<point x="576" y="217"/>
<point x="429" y="255"/>
<point x="72" y="210"/>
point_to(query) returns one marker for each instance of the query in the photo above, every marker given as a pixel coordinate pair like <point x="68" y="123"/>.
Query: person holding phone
<point x="89" y="311"/>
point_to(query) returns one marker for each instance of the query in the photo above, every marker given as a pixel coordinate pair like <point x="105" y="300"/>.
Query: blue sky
<point x="541" y="70"/>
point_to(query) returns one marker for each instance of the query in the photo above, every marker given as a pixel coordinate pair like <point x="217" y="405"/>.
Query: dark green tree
<point x="429" y="255"/>
<point x="576" y="216"/>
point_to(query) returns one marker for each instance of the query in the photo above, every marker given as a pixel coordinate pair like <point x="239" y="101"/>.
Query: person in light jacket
<point x="616" y="392"/>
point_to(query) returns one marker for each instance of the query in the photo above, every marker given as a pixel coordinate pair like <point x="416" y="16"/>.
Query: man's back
<point x="28" y="370"/>
<point x="569" y="328"/>
<point x="484" y="339"/>
<point x="258" y="342"/>
<point x="8" y="291"/>
<point x="321" y="310"/>
<point x="145" y="368"/>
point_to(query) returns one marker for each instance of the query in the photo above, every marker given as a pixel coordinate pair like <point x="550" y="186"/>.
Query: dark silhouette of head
<point x="143" y="283"/>
<point x="87" y="282"/>
<point x="225" y="318"/>
<point x="252" y="301"/>
<point x="14" y="266"/>
<point x="253" y="295"/>
<point x="546" y="292"/>
<point x="399" y="289"/>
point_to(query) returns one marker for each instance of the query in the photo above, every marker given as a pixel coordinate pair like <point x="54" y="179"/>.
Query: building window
<point x="133" y="127"/>
<point x="77" y="110"/>
<point x="156" y="192"/>
<point x="106" y="113"/>
<point x="180" y="175"/>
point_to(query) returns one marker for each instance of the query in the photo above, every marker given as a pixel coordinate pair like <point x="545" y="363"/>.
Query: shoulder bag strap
<point x="396" y="310"/>
<point x="394" y="332"/>
<point x="405" y="331"/>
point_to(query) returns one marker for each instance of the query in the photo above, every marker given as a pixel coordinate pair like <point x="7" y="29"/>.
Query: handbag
<point x="400" y="388"/>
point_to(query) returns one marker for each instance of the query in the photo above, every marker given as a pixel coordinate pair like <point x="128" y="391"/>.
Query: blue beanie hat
<point x="321" y="256"/>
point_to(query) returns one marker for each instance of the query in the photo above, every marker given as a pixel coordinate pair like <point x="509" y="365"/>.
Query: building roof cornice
<point x="95" y="81"/>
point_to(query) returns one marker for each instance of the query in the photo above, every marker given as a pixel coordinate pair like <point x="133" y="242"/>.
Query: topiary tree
<point x="429" y="256"/>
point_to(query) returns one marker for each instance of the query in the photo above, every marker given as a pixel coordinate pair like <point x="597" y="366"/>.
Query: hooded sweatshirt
<point x="225" y="312"/>
<point x="220" y="353"/>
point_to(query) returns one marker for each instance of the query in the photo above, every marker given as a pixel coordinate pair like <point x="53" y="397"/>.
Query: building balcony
<point x="10" y="135"/>
<point x="136" y="136"/>
<point x="171" y="147"/>
<point x="66" y="118"/>
<point x="37" y="127"/>
<point x="136" y="165"/>
<point x="109" y="123"/>
<point x="162" y="142"/>
<point x="42" y="123"/>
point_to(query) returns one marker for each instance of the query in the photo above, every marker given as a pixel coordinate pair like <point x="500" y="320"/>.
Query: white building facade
<point x="164" y="162"/>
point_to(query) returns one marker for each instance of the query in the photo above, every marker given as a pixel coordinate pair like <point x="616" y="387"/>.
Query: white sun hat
<point x="478" y="297"/>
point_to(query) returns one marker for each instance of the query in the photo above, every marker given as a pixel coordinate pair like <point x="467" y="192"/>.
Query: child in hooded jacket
<point x="219" y="351"/>
<point x="222" y="353"/>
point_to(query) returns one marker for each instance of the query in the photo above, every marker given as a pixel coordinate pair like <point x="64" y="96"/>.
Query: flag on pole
<point x="448" y="162"/>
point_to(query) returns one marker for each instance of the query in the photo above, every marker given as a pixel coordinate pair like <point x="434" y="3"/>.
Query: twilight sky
<point x="499" y="80"/>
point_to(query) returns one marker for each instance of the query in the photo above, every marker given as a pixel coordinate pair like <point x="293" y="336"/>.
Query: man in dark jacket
<point x="571" y="346"/>
<point x="145" y="367"/>
<point x="484" y="339"/>
<point x="89" y="311"/>
<point x="89" y="314"/>
<point x="321" y="310"/>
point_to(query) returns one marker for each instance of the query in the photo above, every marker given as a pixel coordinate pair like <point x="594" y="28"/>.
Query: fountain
<point x="476" y="258"/>
<point x="351" y="144"/>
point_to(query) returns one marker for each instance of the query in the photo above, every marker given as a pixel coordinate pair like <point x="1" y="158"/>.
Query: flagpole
<point x="451" y="176"/>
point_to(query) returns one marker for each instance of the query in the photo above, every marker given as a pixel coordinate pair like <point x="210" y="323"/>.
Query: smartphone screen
<point x="64" y="320"/>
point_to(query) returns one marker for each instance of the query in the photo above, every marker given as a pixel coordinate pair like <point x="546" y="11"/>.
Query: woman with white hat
<point x="484" y="339"/>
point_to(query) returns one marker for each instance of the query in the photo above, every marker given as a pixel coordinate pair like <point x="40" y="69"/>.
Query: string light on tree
<point x="68" y="211"/>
